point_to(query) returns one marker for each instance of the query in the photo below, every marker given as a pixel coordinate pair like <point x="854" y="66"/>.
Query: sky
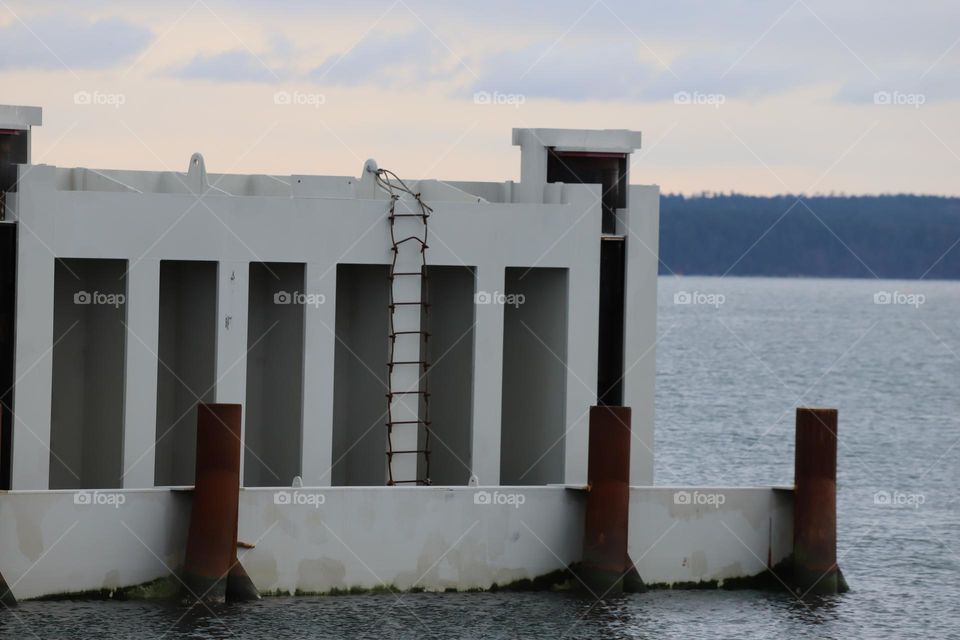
<point x="760" y="97"/>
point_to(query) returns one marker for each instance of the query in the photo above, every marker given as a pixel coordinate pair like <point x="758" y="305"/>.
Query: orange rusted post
<point x="815" y="503"/>
<point x="605" y="559"/>
<point x="212" y="541"/>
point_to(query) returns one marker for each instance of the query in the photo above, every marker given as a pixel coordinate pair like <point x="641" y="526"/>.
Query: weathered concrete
<point x="681" y="535"/>
<point x="330" y="539"/>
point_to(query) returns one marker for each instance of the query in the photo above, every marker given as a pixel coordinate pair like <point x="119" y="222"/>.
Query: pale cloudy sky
<point x="753" y="96"/>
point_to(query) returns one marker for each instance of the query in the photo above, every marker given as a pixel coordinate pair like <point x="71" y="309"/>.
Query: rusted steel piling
<point x="211" y="558"/>
<point x="815" y="503"/>
<point x="605" y="561"/>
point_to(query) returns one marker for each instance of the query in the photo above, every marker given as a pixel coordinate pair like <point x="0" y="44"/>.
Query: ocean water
<point x="735" y="357"/>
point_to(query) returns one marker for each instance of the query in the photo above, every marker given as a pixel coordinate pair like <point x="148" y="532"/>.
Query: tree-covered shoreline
<point x="886" y="236"/>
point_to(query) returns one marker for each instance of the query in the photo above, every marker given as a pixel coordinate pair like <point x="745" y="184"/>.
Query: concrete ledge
<point x="681" y="535"/>
<point x="333" y="539"/>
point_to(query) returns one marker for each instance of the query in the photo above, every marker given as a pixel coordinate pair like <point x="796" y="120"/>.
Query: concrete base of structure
<point x="334" y="539"/>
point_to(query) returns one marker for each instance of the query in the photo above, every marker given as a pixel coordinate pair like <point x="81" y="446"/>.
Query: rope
<point x="396" y="187"/>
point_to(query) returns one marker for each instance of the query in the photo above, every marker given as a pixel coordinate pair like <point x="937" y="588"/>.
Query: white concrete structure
<point x="332" y="538"/>
<point x="139" y="294"/>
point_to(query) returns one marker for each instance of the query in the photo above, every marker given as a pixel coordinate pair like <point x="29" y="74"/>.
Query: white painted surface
<point x="49" y="544"/>
<point x="167" y="222"/>
<point x="341" y="537"/>
<point x="140" y="417"/>
<point x="640" y="224"/>
<point x="673" y="541"/>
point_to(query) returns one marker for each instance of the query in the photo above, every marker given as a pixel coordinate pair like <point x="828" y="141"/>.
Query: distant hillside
<point x="900" y="236"/>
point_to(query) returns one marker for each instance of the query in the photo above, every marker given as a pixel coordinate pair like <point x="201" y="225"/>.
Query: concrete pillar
<point x="582" y="293"/>
<point x="140" y="405"/>
<point x="815" y="503"/>
<point x="533" y="167"/>
<point x="641" y="226"/>
<point x="487" y="381"/>
<point x="232" y="294"/>
<point x="319" y="345"/>
<point x="34" y="351"/>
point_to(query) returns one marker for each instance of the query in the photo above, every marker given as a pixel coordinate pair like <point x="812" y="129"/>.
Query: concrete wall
<point x="186" y="364"/>
<point x="86" y="433"/>
<point x="324" y="538"/>
<point x="60" y="541"/>
<point x="360" y="376"/>
<point x="434" y="538"/>
<point x="534" y="376"/>
<point x="451" y="354"/>
<point x="699" y="534"/>
<point x="274" y="400"/>
<point x="323" y="224"/>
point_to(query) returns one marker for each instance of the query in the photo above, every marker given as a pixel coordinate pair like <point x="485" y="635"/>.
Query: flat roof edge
<point x="20" y="117"/>
<point x="613" y="140"/>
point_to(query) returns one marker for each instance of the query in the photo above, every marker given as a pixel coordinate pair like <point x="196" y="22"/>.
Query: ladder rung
<point x="424" y="422"/>
<point x="391" y="453"/>
<point x="409" y="215"/>
<point x="408" y="273"/>
<point x="425" y="364"/>
<point x="407" y="393"/>
<point x="426" y="482"/>
<point x="398" y="333"/>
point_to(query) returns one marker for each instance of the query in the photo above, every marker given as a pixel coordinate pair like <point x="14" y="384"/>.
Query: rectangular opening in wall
<point x="534" y="376"/>
<point x="186" y="368"/>
<point x="360" y="376"/>
<point x="609" y="170"/>
<point x="610" y="338"/>
<point x="449" y="350"/>
<point x="274" y="405"/>
<point x="13" y="151"/>
<point x="8" y="299"/>
<point x="89" y="355"/>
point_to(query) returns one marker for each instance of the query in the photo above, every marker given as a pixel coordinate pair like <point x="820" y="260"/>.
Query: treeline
<point x="896" y="236"/>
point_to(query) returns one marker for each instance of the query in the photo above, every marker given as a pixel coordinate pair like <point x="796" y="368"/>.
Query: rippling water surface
<point x="732" y="365"/>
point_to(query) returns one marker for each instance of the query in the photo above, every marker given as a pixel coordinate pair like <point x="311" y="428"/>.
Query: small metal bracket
<point x="197" y="175"/>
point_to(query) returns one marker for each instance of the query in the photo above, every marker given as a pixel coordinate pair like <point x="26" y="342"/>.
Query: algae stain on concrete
<point x="698" y="564"/>
<point x="29" y="517"/>
<point x="262" y="569"/>
<point x="111" y="580"/>
<point x="317" y="575"/>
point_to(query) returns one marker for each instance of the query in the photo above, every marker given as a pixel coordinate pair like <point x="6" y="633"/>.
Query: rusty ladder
<point x="408" y="395"/>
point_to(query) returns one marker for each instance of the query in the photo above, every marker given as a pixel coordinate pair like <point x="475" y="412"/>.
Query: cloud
<point x="58" y="42"/>
<point x="625" y="71"/>
<point x="390" y="60"/>
<point x="228" y="66"/>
